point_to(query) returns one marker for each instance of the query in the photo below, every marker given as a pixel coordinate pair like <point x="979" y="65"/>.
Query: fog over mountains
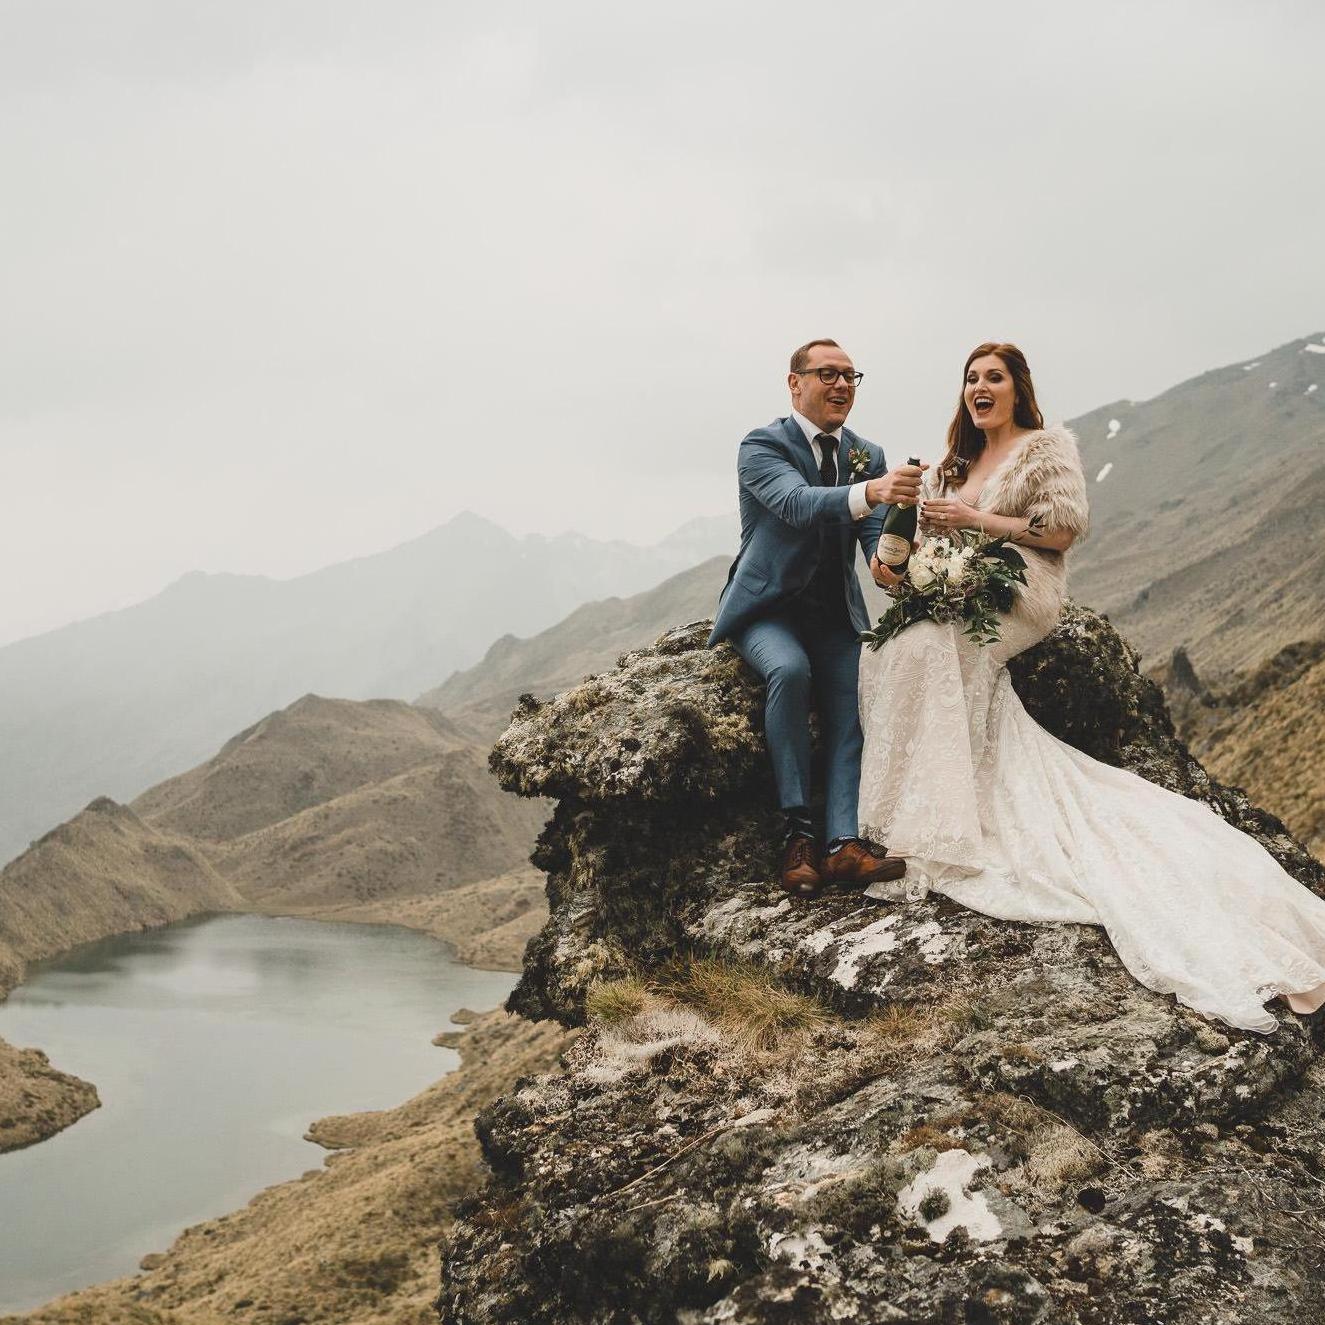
<point x="114" y="704"/>
<point x="1207" y="510"/>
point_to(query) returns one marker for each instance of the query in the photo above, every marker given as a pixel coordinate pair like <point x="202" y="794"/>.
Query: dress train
<point x="991" y="810"/>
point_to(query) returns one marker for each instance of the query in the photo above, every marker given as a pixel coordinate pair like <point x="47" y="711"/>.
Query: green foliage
<point x="984" y="590"/>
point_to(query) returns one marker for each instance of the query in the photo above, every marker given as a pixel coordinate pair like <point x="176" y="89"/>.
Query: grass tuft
<point x="899" y="1023"/>
<point x="744" y="1002"/>
<point x="612" y="1002"/>
<point x="1061" y="1156"/>
<point x="962" y="1014"/>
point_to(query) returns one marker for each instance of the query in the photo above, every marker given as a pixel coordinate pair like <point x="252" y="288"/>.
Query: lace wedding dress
<point x="991" y="810"/>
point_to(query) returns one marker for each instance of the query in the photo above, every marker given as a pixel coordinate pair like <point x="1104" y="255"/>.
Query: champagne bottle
<point x="899" y="531"/>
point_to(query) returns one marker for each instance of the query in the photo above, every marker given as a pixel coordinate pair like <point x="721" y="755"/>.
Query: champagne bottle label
<point x="899" y="529"/>
<point x="893" y="549"/>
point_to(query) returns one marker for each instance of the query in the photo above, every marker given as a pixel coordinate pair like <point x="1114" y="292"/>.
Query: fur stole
<point x="1041" y="477"/>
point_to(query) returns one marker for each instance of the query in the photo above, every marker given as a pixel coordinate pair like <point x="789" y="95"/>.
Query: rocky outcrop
<point x="838" y="1111"/>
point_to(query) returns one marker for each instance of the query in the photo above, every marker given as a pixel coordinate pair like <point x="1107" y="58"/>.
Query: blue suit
<point x="787" y="623"/>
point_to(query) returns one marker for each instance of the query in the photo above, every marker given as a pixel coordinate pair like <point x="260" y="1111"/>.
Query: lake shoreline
<point x="351" y="1135"/>
<point x="38" y="1100"/>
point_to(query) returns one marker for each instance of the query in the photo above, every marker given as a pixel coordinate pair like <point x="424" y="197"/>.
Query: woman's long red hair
<point x="965" y="440"/>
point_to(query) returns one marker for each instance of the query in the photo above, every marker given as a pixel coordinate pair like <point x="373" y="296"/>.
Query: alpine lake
<point x="214" y="1044"/>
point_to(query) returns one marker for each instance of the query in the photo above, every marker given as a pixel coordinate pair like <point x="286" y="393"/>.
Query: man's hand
<point x="883" y="576"/>
<point x="897" y="485"/>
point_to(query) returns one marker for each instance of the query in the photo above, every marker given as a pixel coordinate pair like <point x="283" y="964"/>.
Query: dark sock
<point x="797" y="822"/>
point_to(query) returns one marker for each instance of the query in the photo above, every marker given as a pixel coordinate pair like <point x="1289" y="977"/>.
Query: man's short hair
<point x="800" y="358"/>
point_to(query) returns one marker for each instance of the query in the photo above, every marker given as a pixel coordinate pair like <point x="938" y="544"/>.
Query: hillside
<point x="588" y="640"/>
<point x="298" y="757"/>
<point x="375" y="812"/>
<point x="331" y="804"/>
<point x="433" y="827"/>
<point x="106" y="871"/>
<point x="1264" y="731"/>
<point x="1202" y="496"/>
<point x="114" y="704"/>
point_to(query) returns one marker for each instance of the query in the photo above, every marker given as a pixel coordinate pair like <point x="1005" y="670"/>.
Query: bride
<point x="992" y="811"/>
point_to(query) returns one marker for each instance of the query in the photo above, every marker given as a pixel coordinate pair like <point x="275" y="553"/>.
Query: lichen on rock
<point x="1100" y="1153"/>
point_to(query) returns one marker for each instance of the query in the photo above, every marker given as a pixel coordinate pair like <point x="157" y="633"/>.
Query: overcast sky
<point x="285" y="283"/>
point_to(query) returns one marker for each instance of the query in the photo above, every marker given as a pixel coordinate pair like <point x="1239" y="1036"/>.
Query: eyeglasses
<point x="830" y="375"/>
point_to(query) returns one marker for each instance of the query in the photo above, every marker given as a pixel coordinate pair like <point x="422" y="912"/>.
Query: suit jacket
<point x="784" y="511"/>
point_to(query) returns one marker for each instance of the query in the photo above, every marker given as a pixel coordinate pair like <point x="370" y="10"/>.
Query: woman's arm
<point x="942" y="513"/>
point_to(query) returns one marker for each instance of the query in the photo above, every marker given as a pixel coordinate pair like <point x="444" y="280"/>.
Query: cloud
<point x="289" y="282"/>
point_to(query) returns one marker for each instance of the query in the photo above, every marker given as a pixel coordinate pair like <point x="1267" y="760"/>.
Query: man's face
<point x="825" y="404"/>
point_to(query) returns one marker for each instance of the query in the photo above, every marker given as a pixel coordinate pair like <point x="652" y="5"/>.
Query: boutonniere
<point x="859" y="460"/>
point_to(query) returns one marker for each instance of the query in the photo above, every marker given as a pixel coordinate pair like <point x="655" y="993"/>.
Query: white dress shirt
<point x="856" y="501"/>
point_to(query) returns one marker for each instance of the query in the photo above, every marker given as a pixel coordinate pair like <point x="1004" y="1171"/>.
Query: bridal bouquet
<point x="958" y="576"/>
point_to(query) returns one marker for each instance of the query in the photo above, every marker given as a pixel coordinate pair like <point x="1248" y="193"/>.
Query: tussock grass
<point x="928" y="1135"/>
<point x="900" y="1024"/>
<point x="612" y="1002"/>
<point x="744" y="1002"/>
<point x="962" y="1014"/>
<point x="1059" y="1157"/>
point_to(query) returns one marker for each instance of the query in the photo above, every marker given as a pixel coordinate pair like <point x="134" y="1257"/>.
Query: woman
<point x="994" y="812"/>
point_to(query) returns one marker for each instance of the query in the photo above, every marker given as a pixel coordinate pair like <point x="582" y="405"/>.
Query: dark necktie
<point x="828" y="465"/>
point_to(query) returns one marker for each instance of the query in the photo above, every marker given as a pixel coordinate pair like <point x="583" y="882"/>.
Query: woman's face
<point x="990" y="395"/>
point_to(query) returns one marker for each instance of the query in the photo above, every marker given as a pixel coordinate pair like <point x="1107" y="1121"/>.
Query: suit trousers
<point x="804" y="661"/>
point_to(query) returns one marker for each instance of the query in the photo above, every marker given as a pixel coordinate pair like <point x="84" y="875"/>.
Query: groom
<point x="793" y="609"/>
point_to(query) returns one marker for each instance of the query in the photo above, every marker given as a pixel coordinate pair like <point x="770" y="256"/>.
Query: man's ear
<point x="794" y="385"/>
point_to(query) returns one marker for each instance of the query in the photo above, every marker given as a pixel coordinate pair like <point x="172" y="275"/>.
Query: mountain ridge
<point x="115" y="703"/>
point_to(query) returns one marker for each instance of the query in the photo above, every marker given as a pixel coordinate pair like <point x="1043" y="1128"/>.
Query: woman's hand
<point x="944" y="513"/>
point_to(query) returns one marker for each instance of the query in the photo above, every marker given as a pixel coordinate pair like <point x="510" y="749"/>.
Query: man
<point x="793" y="609"/>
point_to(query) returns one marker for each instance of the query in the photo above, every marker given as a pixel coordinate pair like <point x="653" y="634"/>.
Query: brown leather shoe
<point x="856" y="863"/>
<point x="800" y="873"/>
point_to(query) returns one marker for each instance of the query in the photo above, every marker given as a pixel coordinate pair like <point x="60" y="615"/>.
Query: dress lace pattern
<point x="991" y="810"/>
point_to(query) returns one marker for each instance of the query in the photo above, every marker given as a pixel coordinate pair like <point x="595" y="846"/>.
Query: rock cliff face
<point x="837" y="1111"/>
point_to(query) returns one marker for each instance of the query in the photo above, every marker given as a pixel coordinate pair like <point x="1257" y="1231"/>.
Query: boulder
<point x="841" y="1111"/>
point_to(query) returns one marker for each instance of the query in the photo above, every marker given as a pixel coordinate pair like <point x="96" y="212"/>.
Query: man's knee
<point x="789" y="678"/>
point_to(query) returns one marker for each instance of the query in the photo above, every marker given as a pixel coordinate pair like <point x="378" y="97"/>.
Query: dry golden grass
<point x="612" y="1002"/>
<point x="745" y="1003"/>
<point x="36" y="1100"/>
<point x="741" y="1002"/>
<point x="927" y="1135"/>
<point x="1060" y="1156"/>
<point x="900" y="1024"/>
<point x="1269" y="745"/>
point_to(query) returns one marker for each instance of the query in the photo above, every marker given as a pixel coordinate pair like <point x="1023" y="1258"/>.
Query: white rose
<point x="922" y="576"/>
